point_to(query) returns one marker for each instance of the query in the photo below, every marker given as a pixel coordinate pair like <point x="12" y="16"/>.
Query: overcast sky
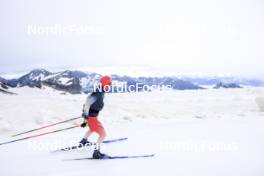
<point x="187" y="36"/>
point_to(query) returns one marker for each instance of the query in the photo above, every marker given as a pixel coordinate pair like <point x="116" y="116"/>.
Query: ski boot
<point x="84" y="142"/>
<point x="98" y="155"/>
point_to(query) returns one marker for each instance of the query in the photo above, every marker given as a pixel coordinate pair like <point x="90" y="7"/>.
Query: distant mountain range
<point x="213" y="80"/>
<point x="227" y="85"/>
<point x="77" y="82"/>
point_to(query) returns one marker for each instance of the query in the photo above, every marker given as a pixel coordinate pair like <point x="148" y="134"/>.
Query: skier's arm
<point x="86" y="106"/>
<point x="89" y="101"/>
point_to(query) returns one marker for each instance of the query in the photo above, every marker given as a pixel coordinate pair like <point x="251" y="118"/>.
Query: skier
<point x="93" y="105"/>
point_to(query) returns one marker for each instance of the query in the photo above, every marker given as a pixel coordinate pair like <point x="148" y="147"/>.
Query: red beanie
<point x="106" y="81"/>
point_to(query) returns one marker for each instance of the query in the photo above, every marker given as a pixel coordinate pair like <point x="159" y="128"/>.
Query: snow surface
<point x="260" y="103"/>
<point x="52" y="76"/>
<point x="65" y="81"/>
<point x="197" y="132"/>
<point x="36" y="78"/>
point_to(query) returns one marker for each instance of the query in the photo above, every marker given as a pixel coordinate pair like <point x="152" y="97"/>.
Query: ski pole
<point x="42" y="134"/>
<point x="36" y="129"/>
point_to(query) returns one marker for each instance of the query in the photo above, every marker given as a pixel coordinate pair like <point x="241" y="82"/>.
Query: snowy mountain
<point x="77" y="81"/>
<point x="70" y="81"/>
<point x="3" y="84"/>
<point x="227" y="85"/>
<point x="80" y="81"/>
<point x="4" y="87"/>
<point x="32" y="79"/>
<point x="213" y="80"/>
<point x="2" y="79"/>
<point x="174" y="82"/>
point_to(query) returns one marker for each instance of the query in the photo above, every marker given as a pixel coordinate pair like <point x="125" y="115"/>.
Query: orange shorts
<point x="95" y="125"/>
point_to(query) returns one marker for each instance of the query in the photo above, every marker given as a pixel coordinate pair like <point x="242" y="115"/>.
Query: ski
<point x="114" y="140"/>
<point x="90" y="144"/>
<point x="114" y="157"/>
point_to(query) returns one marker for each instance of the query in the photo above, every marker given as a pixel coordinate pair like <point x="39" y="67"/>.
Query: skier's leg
<point x="87" y="134"/>
<point x="96" y="126"/>
<point x="84" y="140"/>
<point x="97" y="154"/>
<point x="102" y="135"/>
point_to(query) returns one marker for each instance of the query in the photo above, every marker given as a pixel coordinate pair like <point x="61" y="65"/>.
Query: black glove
<point x="83" y="125"/>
